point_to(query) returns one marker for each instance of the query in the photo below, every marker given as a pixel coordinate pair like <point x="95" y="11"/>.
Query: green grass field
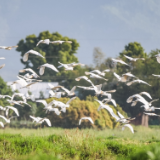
<point x="57" y="143"/>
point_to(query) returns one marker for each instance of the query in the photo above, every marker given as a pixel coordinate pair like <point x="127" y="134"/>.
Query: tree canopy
<point x="53" y="53"/>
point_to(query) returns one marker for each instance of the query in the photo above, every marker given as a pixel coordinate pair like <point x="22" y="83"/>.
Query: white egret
<point x="83" y="77"/>
<point x="25" y="56"/>
<point x="158" y="58"/>
<point x="151" y="114"/>
<point x="12" y="108"/>
<point x="34" y="74"/>
<point x="60" y="42"/>
<point x="40" y="120"/>
<point x="2" y="66"/>
<point x="84" y="118"/>
<point x="92" y="75"/>
<point x="133" y="59"/>
<point x="71" y="92"/>
<point x="20" y="95"/>
<point x="2" y="108"/>
<point x="120" y="61"/>
<point x="46" y="41"/>
<point x="124" y="77"/>
<point x="42" y="68"/>
<point x="7" y="120"/>
<point x="55" y="94"/>
<point x="2" y="125"/>
<point x="106" y="100"/>
<point x="8" y="47"/>
<point x="99" y="72"/>
<point x="137" y="81"/>
<point x="129" y="126"/>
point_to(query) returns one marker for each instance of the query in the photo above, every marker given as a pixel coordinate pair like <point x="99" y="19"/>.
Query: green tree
<point x="53" y="52"/>
<point x="4" y="90"/>
<point x="141" y="69"/>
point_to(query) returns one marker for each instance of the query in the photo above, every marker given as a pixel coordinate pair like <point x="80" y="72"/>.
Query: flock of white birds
<point x="30" y="78"/>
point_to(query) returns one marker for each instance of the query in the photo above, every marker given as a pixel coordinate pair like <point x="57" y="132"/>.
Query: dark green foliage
<point x="54" y="53"/>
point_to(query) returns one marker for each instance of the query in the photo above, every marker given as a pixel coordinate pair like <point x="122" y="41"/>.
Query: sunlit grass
<point x="75" y="143"/>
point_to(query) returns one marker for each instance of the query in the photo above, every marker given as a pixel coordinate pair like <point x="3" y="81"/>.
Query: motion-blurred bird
<point x="25" y="56"/>
<point x="84" y="118"/>
<point x="42" y="68"/>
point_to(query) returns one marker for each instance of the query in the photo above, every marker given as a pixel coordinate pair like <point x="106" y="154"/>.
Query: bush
<point x="80" y="108"/>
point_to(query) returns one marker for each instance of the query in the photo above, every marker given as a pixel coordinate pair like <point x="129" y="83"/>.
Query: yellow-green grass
<point x="58" y="143"/>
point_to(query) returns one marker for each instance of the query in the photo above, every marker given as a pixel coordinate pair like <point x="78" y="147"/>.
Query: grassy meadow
<point x="57" y="143"/>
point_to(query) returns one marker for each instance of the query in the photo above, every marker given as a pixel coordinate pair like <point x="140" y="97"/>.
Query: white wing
<point x="43" y="102"/>
<point x="120" y="115"/>
<point x="51" y="66"/>
<point x="4" y="118"/>
<point x="156" y="75"/>
<point x="147" y="94"/>
<point x="100" y="102"/>
<point x="14" y="109"/>
<point x="130" y="58"/>
<point x="2" y="66"/>
<point x="117" y="76"/>
<point x="129" y="126"/>
<point x="35" y="119"/>
<point x="47" y="121"/>
<point x="73" y="89"/>
<point x="71" y="100"/>
<point x="2" y="124"/>
<point x="140" y="81"/>
<point x="83" y="118"/>
<point x="25" y="56"/>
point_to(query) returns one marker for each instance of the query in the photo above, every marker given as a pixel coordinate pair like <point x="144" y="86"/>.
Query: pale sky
<point x="108" y="24"/>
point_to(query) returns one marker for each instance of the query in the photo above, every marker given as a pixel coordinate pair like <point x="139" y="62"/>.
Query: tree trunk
<point x="144" y="121"/>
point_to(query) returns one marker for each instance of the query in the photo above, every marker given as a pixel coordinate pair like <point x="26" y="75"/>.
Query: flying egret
<point x="55" y="94"/>
<point x="46" y="41"/>
<point x="61" y="104"/>
<point x="84" y="118"/>
<point x="99" y="72"/>
<point x="151" y="114"/>
<point x="137" y="81"/>
<point x="2" y="108"/>
<point x="133" y="59"/>
<point x="158" y="58"/>
<point x="83" y="77"/>
<point x="120" y="61"/>
<point x="71" y="92"/>
<point x="55" y="110"/>
<point x="92" y="75"/>
<point x="130" y="99"/>
<point x="124" y="77"/>
<point x="34" y="74"/>
<point x="21" y="81"/>
<point x="20" y="95"/>
<point x="28" y="85"/>
<point x="7" y="120"/>
<point x="12" y="108"/>
<point x="86" y="88"/>
<point x="60" y="42"/>
<point x="42" y="68"/>
<point x="129" y="126"/>
<point x="8" y="47"/>
<point x="40" y="120"/>
<point x="25" y="56"/>
<point x="106" y="100"/>
<point x="2" y="66"/>
<point x="2" y="125"/>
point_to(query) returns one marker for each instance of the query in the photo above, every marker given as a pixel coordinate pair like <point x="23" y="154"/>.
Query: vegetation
<point x="59" y="144"/>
